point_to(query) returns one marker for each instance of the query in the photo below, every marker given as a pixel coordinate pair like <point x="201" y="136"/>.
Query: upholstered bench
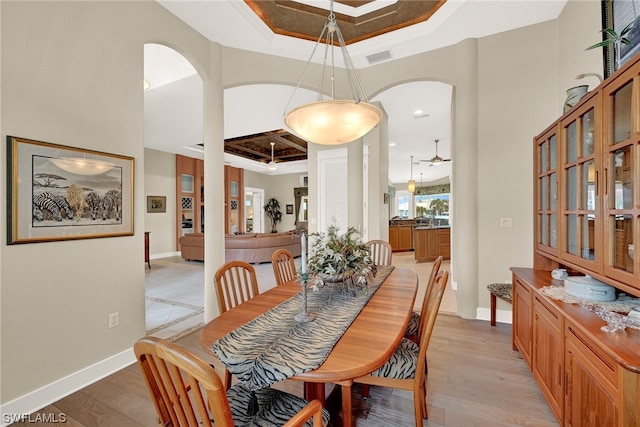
<point x="502" y="291"/>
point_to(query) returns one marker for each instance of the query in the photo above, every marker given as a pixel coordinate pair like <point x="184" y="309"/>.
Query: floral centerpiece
<point x="339" y="257"/>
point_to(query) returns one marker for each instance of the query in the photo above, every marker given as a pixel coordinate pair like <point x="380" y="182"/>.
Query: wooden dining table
<point x="368" y="342"/>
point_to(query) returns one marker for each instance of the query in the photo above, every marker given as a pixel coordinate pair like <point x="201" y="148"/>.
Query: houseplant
<point x="616" y="39"/>
<point x="272" y="209"/>
<point x="339" y="257"/>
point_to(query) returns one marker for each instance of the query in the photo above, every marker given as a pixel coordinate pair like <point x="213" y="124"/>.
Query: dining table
<point x="368" y="341"/>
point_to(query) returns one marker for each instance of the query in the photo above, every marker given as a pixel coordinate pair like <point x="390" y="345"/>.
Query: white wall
<point x="160" y="180"/>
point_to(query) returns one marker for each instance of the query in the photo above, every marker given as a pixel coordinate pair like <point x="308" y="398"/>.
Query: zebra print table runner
<point x="273" y="346"/>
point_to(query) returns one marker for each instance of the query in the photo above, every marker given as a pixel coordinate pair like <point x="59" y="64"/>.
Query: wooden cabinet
<point x="401" y="237"/>
<point x="592" y="396"/>
<point x="589" y="377"/>
<point x="189" y="200"/>
<point x="522" y="327"/>
<point x="586" y="192"/>
<point x="548" y="353"/>
<point x="430" y="243"/>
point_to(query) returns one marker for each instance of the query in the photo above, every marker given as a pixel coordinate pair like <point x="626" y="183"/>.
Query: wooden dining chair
<point x="284" y="267"/>
<point x="236" y="283"/>
<point x="186" y="391"/>
<point x="380" y="252"/>
<point x="414" y="321"/>
<point x="406" y="369"/>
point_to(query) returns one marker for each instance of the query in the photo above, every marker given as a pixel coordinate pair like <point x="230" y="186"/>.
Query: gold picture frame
<point x="57" y="192"/>
<point x="156" y="204"/>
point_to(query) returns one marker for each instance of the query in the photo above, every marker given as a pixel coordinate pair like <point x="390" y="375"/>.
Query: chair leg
<point x="227" y="379"/>
<point x="493" y="310"/>
<point x="365" y="391"/>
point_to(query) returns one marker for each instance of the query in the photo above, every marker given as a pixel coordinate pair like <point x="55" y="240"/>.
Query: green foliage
<point x="343" y="255"/>
<point x="272" y="209"/>
<point x="613" y="37"/>
<point x="439" y="205"/>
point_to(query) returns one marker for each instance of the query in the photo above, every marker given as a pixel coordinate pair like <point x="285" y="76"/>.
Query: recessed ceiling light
<point x="146" y="84"/>
<point x="392" y="144"/>
<point x="418" y="112"/>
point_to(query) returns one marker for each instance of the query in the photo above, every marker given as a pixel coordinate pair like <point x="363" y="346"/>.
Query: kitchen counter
<point x="431" y="242"/>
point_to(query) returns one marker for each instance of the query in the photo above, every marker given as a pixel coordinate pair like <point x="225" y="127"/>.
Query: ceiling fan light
<point x="272" y="165"/>
<point x="333" y="122"/>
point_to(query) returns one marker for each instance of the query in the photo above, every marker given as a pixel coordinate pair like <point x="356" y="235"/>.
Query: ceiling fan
<point x="436" y="160"/>
<point x="272" y="164"/>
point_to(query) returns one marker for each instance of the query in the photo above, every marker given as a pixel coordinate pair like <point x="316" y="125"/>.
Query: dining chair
<point x="186" y="391"/>
<point x="380" y="252"/>
<point x="284" y="267"/>
<point x="406" y="369"/>
<point x="414" y="321"/>
<point x="236" y="283"/>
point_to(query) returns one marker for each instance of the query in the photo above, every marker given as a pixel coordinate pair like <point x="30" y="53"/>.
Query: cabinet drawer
<point x="604" y="364"/>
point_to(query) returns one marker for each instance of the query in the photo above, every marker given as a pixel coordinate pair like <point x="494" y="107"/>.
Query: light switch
<point x="506" y="222"/>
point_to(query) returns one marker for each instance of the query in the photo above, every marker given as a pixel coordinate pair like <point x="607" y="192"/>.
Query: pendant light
<point x="333" y="121"/>
<point x="412" y="184"/>
<point x="272" y="164"/>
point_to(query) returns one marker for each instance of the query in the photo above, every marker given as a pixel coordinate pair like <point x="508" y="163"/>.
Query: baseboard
<point x="165" y="255"/>
<point x="502" y="316"/>
<point x="50" y="393"/>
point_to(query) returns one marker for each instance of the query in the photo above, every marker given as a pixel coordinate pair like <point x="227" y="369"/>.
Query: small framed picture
<point x="156" y="204"/>
<point x="289" y="209"/>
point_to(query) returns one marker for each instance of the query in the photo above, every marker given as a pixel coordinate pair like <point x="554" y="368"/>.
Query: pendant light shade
<point x="334" y="121"/>
<point x="411" y="186"/>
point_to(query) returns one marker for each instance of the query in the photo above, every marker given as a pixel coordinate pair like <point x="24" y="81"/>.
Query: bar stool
<point x="502" y="291"/>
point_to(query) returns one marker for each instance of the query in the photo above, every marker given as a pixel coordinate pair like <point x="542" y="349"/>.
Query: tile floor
<point x="175" y="295"/>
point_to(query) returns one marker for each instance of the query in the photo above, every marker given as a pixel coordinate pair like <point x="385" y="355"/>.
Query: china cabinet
<point x="586" y="197"/>
<point x="587" y="220"/>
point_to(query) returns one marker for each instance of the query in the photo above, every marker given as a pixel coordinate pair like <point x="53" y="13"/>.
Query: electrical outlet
<point x="113" y="320"/>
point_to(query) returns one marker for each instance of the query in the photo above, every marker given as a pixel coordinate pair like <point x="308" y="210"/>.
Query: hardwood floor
<point x="475" y="379"/>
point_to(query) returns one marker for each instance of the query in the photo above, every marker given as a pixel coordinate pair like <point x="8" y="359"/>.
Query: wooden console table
<point x="146" y="248"/>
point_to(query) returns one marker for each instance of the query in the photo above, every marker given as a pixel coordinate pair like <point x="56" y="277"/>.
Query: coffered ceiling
<point x="376" y="31"/>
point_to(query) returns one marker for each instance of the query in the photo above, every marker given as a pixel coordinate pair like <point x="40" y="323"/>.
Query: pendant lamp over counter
<point x="333" y="121"/>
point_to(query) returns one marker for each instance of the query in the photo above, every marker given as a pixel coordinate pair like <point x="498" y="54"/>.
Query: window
<point x="433" y="207"/>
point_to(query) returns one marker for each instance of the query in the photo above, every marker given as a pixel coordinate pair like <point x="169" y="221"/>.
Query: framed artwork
<point x="616" y="15"/>
<point x="289" y="209"/>
<point x="56" y="192"/>
<point x="156" y="204"/>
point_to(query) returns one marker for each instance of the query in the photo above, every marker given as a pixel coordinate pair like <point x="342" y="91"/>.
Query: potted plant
<point x="339" y="257"/>
<point x="615" y="39"/>
<point x="272" y="209"/>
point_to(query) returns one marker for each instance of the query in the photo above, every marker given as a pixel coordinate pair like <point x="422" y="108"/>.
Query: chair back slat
<point x="428" y="318"/>
<point x="380" y="252"/>
<point x="284" y="267"/>
<point x="186" y="391"/>
<point x="236" y="283"/>
<point x="432" y="278"/>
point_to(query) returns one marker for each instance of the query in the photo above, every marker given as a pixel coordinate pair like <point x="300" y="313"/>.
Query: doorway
<point x="253" y="213"/>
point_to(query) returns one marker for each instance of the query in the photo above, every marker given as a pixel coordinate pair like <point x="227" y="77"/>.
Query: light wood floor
<point x="475" y="379"/>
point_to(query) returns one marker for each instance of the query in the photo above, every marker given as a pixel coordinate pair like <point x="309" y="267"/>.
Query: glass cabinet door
<point x="580" y="221"/>
<point x="547" y="193"/>
<point x="621" y="158"/>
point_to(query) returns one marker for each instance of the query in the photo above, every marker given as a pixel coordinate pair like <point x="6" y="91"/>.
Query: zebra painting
<point x="112" y="200"/>
<point x="63" y="205"/>
<point x="95" y="204"/>
<point x="45" y="202"/>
